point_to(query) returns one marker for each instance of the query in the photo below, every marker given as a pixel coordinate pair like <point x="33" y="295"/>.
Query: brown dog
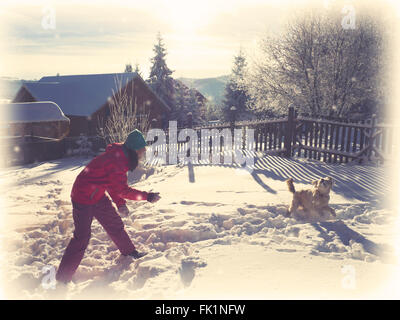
<point x="314" y="201"/>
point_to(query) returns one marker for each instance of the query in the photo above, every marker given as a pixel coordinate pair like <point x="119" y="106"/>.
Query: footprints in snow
<point x="166" y="237"/>
<point x="49" y="182"/>
<point x="202" y="203"/>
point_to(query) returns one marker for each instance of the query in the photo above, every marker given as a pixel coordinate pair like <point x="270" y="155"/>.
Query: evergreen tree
<point x="212" y="111"/>
<point x="137" y="70"/>
<point x="235" y="91"/>
<point x="186" y="100"/>
<point x="180" y="108"/>
<point x="195" y="106"/>
<point x="160" y="78"/>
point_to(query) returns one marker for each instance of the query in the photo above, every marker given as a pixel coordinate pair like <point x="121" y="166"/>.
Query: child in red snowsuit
<point x="106" y="172"/>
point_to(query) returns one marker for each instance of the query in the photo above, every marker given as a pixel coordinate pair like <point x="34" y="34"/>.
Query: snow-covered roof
<point x="80" y="95"/>
<point x="21" y="112"/>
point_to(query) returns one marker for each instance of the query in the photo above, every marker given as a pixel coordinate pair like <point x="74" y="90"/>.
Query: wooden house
<point x="85" y="99"/>
<point x="39" y="119"/>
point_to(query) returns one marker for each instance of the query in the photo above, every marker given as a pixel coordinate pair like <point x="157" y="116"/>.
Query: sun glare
<point x="186" y="17"/>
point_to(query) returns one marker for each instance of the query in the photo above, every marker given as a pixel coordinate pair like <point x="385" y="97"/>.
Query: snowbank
<point x="24" y="112"/>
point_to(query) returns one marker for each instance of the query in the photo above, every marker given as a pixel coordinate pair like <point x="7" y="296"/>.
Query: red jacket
<point x="106" y="172"/>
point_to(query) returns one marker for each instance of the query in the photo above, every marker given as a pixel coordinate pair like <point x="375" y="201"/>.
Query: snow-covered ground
<point x="217" y="232"/>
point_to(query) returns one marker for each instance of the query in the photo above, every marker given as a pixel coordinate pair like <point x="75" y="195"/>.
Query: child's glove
<point x="123" y="210"/>
<point x="153" y="197"/>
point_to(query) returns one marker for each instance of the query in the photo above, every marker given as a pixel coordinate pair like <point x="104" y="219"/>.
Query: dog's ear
<point x="314" y="183"/>
<point x="330" y="180"/>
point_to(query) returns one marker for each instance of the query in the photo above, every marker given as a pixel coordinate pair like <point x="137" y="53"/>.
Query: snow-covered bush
<point x="84" y="146"/>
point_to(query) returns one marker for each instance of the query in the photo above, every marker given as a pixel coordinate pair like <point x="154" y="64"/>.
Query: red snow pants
<point x="83" y="215"/>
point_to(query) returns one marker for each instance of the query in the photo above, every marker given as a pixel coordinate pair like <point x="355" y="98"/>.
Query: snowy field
<point x="218" y="232"/>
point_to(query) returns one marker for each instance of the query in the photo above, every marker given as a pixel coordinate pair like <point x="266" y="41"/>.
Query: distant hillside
<point x="209" y="87"/>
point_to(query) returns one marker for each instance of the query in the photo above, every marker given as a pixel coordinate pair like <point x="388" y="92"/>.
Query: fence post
<point x="189" y="120"/>
<point x="370" y="138"/>
<point x="233" y="118"/>
<point x="289" y="132"/>
<point x="189" y="123"/>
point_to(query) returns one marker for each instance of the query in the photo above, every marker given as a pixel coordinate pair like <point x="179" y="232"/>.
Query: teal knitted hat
<point x="135" y="140"/>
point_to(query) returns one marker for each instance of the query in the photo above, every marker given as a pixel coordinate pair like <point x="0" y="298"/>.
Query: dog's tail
<point x="290" y="185"/>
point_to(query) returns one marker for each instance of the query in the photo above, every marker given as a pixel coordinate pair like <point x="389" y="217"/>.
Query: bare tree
<point x="318" y="66"/>
<point x="124" y="115"/>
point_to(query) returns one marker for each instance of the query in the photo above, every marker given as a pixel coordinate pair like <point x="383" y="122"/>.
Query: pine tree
<point x="180" y="108"/>
<point x="195" y="107"/>
<point x="212" y="111"/>
<point x="235" y="91"/>
<point x="137" y="70"/>
<point x="186" y="100"/>
<point x="160" y="78"/>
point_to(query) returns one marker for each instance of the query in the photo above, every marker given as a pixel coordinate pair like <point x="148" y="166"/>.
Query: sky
<point x="41" y="38"/>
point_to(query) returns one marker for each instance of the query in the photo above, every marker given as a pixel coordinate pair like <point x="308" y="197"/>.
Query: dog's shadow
<point x="346" y="234"/>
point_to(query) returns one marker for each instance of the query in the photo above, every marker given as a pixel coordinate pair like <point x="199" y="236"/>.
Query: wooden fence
<point x="320" y="139"/>
<point x="338" y="142"/>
